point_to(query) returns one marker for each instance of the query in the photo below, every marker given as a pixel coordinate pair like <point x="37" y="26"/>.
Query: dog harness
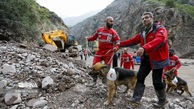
<point x="175" y="81"/>
<point x="111" y="75"/>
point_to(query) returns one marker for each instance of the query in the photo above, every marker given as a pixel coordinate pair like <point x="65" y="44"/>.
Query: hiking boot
<point x="138" y="93"/>
<point x="161" y="94"/>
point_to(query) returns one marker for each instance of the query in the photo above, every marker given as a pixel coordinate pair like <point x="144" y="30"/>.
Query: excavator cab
<point x="59" y="39"/>
<point x="70" y="40"/>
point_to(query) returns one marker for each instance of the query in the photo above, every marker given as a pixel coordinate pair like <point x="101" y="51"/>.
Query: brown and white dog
<point x="120" y="77"/>
<point x="180" y="85"/>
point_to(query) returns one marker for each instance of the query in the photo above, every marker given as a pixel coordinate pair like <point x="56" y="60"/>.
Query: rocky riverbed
<point x="32" y="77"/>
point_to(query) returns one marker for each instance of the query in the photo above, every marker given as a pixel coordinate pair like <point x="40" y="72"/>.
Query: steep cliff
<point x="179" y="24"/>
<point x="24" y="20"/>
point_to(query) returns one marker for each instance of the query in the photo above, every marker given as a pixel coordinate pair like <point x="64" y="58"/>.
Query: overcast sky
<point x="70" y="8"/>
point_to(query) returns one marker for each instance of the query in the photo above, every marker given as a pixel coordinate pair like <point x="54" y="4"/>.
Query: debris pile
<point x="32" y="77"/>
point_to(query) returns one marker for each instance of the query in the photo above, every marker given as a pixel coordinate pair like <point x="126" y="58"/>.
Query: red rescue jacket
<point x="107" y="40"/>
<point x="127" y="60"/>
<point x="154" y="44"/>
<point x="174" y="62"/>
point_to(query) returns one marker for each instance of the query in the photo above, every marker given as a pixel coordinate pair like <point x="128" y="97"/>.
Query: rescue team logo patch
<point x="111" y="75"/>
<point x="162" y="32"/>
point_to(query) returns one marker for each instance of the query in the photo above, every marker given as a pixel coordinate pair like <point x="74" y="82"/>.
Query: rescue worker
<point x="175" y="63"/>
<point x="126" y="60"/>
<point x="134" y="57"/>
<point x="154" y="56"/>
<point x="85" y="54"/>
<point x="109" y="42"/>
<point x="81" y="54"/>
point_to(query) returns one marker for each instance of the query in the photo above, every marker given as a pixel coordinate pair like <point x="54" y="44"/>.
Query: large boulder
<point x="12" y="98"/>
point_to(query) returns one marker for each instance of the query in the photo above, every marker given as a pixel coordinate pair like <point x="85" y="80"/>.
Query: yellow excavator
<point x="59" y="39"/>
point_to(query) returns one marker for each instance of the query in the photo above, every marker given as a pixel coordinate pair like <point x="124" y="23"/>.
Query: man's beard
<point x="109" y="25"/>
<point x="170" y="55"/>
<point x="147" y="24"/>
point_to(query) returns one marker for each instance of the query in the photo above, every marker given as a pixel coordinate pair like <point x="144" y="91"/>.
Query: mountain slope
<point x="89" y="26"/>
<point x="71" y="21"/>
<point x="179" y="24"/>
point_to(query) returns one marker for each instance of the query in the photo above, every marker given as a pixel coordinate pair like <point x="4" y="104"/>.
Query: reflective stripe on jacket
<point x="127" y="60"/>
<point x="107" y="40"/>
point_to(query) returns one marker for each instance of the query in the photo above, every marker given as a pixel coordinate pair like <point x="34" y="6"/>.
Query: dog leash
<point x="111" y="56"/>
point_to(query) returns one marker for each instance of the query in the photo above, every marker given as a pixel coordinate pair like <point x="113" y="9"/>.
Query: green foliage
<point x="43" y="12"/>
<point x="181" y="4"/>
<point x="19" y="16"/>
<point x="22" y="17"/>
<point x="183" y="1"/>
<point x="170" y="3"/>
<point x="187" y="8"/>
<point x="161" y="2"/>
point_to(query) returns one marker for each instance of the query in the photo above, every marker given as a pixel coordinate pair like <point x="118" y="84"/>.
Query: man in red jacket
<point x="154" y="56"/>
<point x="126" y="60"/>
<point x="175" y="64"/>
<point x="109" y="42"/>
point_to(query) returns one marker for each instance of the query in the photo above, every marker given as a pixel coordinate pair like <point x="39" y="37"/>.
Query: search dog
<point x="123" y="77"/>
<point x="181" y="84"/>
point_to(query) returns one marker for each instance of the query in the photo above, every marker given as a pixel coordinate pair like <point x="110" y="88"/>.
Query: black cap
<point x="170" y="50"/>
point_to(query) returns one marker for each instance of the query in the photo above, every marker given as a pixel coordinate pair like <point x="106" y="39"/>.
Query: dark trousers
<point x="115" y="62"/>
<point x="145" y="69"/>
<point x="85" y="56"/>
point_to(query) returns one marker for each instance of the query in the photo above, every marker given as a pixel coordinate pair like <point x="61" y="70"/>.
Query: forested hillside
<point x="24" y="20"/>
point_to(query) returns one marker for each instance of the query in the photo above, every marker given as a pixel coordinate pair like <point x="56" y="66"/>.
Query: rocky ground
<point x="32" y="77"/>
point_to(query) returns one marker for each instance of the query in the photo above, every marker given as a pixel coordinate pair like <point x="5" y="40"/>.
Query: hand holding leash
<point x="115" y="49"/>
<point x="173" y="69"/>
<point x="86" y="38"/>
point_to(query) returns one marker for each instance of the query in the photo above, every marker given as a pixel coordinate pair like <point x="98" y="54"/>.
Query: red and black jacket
<point x="154" y="44"/>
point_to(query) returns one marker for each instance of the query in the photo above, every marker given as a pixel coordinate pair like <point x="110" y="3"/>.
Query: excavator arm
<point x="59" y="39"/>
<point x="54" y="36"/>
